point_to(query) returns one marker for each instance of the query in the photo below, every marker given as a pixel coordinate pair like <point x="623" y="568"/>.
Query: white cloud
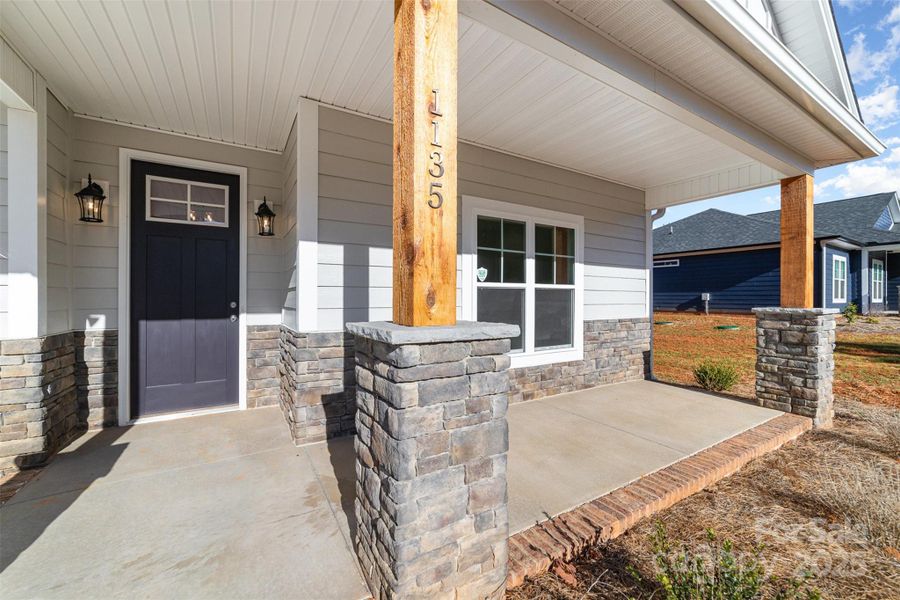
<point x="852" y="5"/>
<point x="882" y="107"/>
<point x="771" y="200"/>
<point x="865" y="64"/>
<point x="871" y="176"/>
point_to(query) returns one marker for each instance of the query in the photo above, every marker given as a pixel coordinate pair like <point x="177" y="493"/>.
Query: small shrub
<point x="715" y="376"/>
<point x="851" y="312"/>
<point x="720" y="574"/>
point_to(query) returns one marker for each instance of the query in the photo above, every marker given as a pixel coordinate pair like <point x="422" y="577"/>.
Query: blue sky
<point x="870" y="30"/>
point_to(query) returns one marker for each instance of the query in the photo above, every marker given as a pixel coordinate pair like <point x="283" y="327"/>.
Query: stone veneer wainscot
<point x="263" y="361"/>
<point x="615" y="350"/>
<point x="317" y="384"/>
<point x="38" y="399"/>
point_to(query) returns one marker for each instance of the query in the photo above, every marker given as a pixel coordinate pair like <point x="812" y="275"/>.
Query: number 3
<point x="438" y="162"/>
<point x="434" y="192"/>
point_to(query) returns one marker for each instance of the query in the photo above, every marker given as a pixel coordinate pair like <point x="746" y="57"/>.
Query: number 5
<point x="434" y="192"/>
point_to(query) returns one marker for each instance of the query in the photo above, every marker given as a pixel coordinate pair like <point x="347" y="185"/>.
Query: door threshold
<point x="184" y="414"/>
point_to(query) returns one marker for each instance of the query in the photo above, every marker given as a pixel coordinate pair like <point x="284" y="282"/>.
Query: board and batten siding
<point x="61" y="213"/>
<point x="287" y="222"/>
<point x="355" y="221"/>
<point x="95" y="149"/>
<point x="4" y="220"/>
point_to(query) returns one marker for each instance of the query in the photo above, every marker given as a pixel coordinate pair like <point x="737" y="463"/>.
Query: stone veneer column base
<point x="795" y="361"/>
<point x="431" y="447"/>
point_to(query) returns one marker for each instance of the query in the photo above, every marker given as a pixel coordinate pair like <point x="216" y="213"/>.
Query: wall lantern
<point x="90" y="199"/>
<point x="265" y="219"/>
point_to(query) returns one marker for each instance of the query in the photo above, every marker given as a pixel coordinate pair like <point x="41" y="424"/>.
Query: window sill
<point x="547" y="357"/>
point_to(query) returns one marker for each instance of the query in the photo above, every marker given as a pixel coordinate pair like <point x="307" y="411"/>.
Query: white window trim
<point x="880" y="287"/>
<point x="666" y="263"/>
<point x="473" y="207"/>
<point x="834" y="288"/>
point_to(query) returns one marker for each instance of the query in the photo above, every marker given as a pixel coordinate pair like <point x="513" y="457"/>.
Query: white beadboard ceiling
<point x="233" y="71"/>
<point x="648" y="28"/>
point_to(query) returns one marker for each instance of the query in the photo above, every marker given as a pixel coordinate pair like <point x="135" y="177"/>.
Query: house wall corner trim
<point x="307" y="215"/>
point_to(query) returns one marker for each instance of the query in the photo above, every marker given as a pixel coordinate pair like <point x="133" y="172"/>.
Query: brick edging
<point x="531" y="552"/>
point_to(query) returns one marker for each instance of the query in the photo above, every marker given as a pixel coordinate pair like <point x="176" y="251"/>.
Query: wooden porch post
<point x="425" y="64"/>
<point x="797" y="242"/>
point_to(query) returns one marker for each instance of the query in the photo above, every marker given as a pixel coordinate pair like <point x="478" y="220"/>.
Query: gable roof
<point x="853" y="219"/>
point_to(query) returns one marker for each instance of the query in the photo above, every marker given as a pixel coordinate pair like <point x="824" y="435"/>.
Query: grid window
<point x="839" y="279"/>
<point x="877" y="281"/>
<point x="188" y="202"/>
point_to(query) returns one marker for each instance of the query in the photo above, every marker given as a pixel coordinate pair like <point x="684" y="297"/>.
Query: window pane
<point x="513" y="267"/>
<point x="543" y="239"/>
<point x="565" y="241"/>
<point x="552" y="318"/>
<point x="490" y="261"/>
<point x="168" y="210"/>
<point x="503" y="306"/>
<point x="565" y="270"/>
<point x="543" y="269"/>
<point x="513" y="235"/>
<point x="207" y="195"/>
<point x="208" y="214"/>
<point x="168" y="189"/>
<point x="488" y="232"/>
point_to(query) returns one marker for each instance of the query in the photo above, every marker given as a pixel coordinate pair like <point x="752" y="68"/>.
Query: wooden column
<point x="797" y="242"/>
<point x="425" y="63"/>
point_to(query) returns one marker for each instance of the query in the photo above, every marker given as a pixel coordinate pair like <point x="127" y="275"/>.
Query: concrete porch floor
<point x="225" y="506"/>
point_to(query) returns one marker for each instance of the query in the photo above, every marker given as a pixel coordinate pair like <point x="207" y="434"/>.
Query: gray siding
<point x="95" y="149"/>
<point x="62" y="212"/>
<point x="355" y="221"/>
<point x="4" y="221"/>
<point x="287" y="222"/>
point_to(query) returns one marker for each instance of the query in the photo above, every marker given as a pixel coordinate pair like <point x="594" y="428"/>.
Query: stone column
<point x="795" y="361"/>
<point x="431" y="446"/>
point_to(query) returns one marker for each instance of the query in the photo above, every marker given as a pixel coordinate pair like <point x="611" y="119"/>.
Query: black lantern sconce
<point x="265" y="219"/>
<point x="90" y="199"/>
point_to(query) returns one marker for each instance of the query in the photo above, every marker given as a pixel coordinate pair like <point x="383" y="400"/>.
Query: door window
<point x="189" y="202"/>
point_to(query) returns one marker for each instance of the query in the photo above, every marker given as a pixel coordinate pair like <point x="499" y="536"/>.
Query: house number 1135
<point x="436" y="168"/>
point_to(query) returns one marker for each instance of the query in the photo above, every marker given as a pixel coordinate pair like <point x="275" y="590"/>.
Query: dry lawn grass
<point x="827" y="505"/>
<point x="867" y="355"/>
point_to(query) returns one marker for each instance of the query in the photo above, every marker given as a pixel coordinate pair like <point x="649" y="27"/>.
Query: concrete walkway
<point x="224" y="506"/>
<point x="220" y="506"/>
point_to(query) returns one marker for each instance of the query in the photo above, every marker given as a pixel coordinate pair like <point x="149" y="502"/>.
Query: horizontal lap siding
<point x="95" y="150"/>
<point x="60" y="208"/>
<point x="355" y="220"/>
<point x="736" y="281"/>
<point x="892" y="281"/>
<point x="4" y="221"/>
<point x="854" y="263"/>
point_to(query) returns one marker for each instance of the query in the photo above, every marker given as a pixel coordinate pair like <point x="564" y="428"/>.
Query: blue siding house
<point x="731" y="261"/>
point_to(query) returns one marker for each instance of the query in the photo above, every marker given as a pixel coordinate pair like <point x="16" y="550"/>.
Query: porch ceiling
<point x="234" y="71"/>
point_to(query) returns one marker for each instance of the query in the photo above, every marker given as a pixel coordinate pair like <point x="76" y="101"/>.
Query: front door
<point x="184" y="289"/>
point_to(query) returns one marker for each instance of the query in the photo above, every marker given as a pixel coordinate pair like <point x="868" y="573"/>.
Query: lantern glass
<point x="90" y="200"/>
<point x="265" y="219"/>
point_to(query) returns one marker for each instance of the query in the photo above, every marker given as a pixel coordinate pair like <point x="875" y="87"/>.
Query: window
<point x="190" y="202"/>
<point x="523" y="266"/>
<point x="877" y="280"/>
<point x="658" y="264"/>
<point x="839" y="279"/>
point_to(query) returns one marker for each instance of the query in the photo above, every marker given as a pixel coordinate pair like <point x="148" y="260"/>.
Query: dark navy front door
<point x="184" y="289"/>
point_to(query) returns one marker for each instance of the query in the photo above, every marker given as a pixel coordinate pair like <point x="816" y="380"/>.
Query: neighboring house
<point x="736" y="258"/>
<point x="576" y="121"/>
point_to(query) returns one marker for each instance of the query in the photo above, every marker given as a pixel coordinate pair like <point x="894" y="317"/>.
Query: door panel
<point x="184" y="277"/>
